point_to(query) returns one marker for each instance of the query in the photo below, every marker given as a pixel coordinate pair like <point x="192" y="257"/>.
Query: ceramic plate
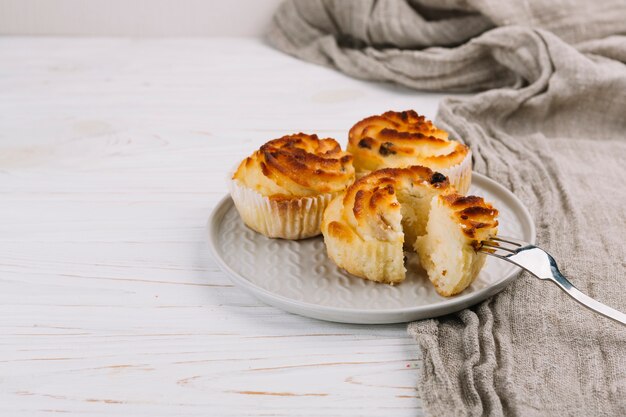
<point x="298" y="276"/>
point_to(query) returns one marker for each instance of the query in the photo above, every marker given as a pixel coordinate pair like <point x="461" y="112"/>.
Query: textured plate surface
<point x="297" y="276"/>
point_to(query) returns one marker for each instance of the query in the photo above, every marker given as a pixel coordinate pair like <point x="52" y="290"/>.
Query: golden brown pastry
<point x="366" y="227"/>
<point x="401" y="139"/>
<point x="456" y="227"/>
<point x="282" y="189"/>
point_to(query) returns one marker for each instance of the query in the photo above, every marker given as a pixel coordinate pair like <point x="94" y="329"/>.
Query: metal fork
<point x="543" y="266"/>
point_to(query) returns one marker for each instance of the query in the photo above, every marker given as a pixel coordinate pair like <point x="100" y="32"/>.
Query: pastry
<point x="366" y="227"/>
<point x="282" y="189"/>
<point x="448" y="251"/>
<point x="401" y="139"/>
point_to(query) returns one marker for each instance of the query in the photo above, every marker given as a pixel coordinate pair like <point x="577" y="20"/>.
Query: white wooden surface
<point x="112" y="154"/>
<point x="136" y="17"/>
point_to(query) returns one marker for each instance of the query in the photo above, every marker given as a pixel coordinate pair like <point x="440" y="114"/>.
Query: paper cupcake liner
<point x="296" y="218"/>
<point x="460" y="175"/>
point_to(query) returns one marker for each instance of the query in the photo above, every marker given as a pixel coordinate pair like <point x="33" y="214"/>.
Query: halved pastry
<point x="366" y="227"/>
<point x="282" y="189"/>
<point x="456" y="227"/>
<point x="402" y="139"/>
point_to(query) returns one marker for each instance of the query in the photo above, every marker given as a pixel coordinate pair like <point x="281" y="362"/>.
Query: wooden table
<point x="112" y="154"/>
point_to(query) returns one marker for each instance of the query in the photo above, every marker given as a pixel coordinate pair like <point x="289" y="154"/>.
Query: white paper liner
<point x="460" y="175"/>
<point x="296" y="218"/>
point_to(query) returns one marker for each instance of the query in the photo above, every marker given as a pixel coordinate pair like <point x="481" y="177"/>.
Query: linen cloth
<point x="550" y="124"/>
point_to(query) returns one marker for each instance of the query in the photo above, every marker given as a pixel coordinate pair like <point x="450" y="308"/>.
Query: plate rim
<point x="450" y="306"/>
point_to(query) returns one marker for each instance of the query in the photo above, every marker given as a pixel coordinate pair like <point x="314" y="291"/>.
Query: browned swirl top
<point x="476" y="217"/>
<point x="371" y="205"/>
<point x="297" y="165"/>
<point x="400" y="139"/>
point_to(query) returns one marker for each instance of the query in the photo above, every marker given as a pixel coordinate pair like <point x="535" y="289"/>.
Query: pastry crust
<point x="364" y="228"/>
<point x="297" y="165"/>
<point x="401" y="139"/>
<point x="367" y="228"/>
<point x="476" y="217"/>
<point x="282" y="189"/>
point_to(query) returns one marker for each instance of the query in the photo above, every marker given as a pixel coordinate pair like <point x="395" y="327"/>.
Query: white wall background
<point x="136" y="17"/>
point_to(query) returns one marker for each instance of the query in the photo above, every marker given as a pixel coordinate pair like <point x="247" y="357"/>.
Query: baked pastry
<point x="366" y="227"/>
<point x="456" y="227"/>
<point x="282" y="189"/>
<point x="401" y="139"/>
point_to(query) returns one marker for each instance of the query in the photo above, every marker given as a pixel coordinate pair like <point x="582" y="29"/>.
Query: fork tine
<point x="496" y="245"/>
<point x="510" y="240"/>
<point x="504" y="244"/>
<point x="501" y="247"/>
<point x="496" y="249"/>
<point x="491" y="251"/>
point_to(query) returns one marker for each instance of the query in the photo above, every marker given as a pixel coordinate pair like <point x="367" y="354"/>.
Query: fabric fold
<point x="549" y="124"/>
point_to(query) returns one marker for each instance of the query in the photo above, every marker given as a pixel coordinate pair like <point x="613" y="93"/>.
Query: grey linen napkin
<point x="550" y="124"/>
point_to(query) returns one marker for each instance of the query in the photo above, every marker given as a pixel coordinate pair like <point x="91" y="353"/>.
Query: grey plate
<point x="297" y="276"/>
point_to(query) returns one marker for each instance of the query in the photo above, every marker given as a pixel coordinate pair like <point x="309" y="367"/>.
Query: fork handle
<point x="587" y="301"/>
